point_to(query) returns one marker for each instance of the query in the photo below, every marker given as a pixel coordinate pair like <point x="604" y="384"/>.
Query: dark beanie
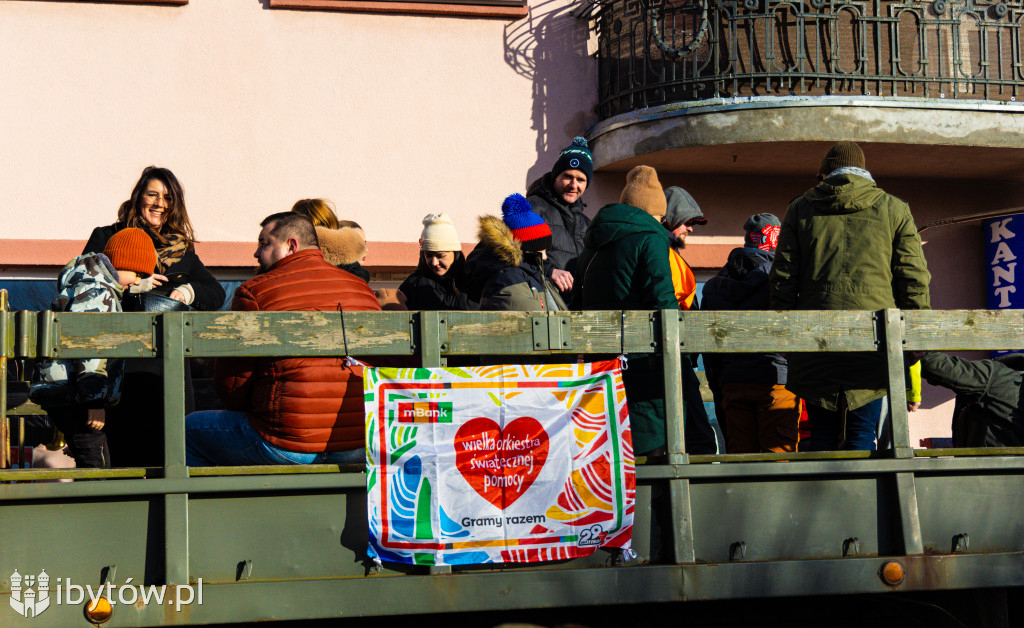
<point x="131" y="249"/>
<point x="526" y="226"/>
<point x="761" y="231"/>
<point x="842" y="155"/>
<point x="576" y="156"/>
<point x="643" y="190"/>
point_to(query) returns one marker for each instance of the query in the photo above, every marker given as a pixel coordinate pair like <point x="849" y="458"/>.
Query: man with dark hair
<point x="283" y="234"/>
<point x="846" y="245"/>
<point x="286" y="410"/>
<point x="558" y="198"/>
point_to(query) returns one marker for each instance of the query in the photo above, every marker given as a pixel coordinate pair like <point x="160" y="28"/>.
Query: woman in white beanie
<point x="432" y="286"/>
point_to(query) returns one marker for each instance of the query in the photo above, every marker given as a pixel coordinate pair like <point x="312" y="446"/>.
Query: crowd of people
<point x="843" y="244"/>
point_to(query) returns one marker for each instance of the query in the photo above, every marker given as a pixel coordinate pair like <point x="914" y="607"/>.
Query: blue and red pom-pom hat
<point x="526" y="226"/>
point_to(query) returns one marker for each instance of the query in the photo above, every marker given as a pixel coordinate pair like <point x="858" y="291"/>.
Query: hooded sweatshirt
<point x="846" y="245"/>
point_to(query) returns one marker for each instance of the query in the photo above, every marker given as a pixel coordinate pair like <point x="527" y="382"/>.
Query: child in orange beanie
<point x="75" y="393"/>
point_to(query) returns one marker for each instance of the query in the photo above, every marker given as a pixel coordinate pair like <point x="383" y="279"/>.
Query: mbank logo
<point x="424" y="412"/>
<point x="30" y="595"/>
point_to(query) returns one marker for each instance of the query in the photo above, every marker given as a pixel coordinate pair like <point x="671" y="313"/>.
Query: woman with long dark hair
<point x="157" y="206"/>
<point x="134" y="426"/>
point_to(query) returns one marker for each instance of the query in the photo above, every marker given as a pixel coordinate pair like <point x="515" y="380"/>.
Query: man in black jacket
<point x="557" y="197"/>
<point x="754" y="408"/>
<point x="988" y="410"/>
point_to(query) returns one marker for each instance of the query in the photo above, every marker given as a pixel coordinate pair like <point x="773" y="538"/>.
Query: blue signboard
<point x="1004" y="243"/>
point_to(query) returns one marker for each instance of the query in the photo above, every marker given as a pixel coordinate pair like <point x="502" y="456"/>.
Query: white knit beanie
<point x="439" y="234"/>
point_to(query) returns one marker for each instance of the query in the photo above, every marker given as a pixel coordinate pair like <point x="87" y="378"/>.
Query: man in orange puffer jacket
<point x="286" y="410"/>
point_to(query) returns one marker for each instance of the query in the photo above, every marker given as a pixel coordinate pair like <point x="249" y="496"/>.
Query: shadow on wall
<point x="549" y="47"/>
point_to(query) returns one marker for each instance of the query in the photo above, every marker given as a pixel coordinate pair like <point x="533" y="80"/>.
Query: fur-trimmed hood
<point x="341" y="246"/>
<point x="495" y="235"/>
<point x="497" y="251"/>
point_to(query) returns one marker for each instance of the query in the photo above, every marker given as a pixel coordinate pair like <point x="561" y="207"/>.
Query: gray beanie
<point x="681" y="208"/>
<point x="761" y="231"/>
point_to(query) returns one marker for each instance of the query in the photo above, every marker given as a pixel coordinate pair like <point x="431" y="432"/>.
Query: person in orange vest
<point x="681" y="215"/>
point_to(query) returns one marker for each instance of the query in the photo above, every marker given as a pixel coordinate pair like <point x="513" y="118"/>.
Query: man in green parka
<point x="845" y="244"/>
<point x="625" y="266"/>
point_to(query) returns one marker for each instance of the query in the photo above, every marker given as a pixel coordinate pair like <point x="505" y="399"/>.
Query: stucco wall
<point x="390" y="116"/>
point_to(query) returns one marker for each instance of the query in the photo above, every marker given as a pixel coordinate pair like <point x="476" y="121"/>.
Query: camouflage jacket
<point x="87" y="284"/>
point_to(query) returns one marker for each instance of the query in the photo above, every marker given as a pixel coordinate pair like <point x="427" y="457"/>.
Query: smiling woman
<point x="157" y="206"/>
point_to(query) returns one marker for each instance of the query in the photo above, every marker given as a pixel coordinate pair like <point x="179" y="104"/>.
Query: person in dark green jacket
<point x="625" y="265"/>
<point x="845" y="244"/>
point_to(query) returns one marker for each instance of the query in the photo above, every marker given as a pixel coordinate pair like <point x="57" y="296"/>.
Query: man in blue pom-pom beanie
<point x="557" y="197"/>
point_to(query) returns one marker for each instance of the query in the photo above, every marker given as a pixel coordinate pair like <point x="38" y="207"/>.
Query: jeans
<point x="225" y="438"/>
<point x="862" y="425"/>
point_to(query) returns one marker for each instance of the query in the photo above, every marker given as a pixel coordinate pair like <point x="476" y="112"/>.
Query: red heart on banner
<point x="501" y="465"/>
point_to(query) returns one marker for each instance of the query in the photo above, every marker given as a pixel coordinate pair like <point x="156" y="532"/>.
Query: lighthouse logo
<point x="30" y="595"/>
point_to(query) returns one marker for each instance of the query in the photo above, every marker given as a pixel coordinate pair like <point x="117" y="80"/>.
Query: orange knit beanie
<point x="131" y="249"/>
<point x="643" y="190"/>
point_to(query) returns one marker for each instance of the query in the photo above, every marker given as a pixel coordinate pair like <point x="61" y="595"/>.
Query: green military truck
<point x="902" y="536"/>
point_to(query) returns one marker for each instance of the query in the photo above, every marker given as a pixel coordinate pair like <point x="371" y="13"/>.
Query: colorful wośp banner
<point x="498" y="464"/>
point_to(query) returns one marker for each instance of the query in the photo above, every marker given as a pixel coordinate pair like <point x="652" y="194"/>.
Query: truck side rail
<point x="708" y="527"/>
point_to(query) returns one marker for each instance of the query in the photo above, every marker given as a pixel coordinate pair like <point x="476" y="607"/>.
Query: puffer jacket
<point x="87" y="283"/>
<point x="500" y="276"/>
<point x="742" y="284"/>
<point x="568" y="223"/>
<point x="846" y="245"/>
<point x="988" y="410"/>
<point x="299" y="404"/>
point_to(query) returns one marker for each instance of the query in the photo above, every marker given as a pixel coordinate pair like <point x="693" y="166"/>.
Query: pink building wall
<point x="390" y="116"/>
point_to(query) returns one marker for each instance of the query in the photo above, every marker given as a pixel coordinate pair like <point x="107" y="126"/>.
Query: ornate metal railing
<point x="654" y="52"/>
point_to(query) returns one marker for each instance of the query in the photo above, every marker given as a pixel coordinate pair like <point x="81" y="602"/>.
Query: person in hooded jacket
<point x="558" y="198"/>
<point x="625" y="265"/>
<point x="344" y="248"/>
<point x="988" y="410"/>
<point x="757" y="411"/>
<point x="846" y="244"/>
<point x="505" y="272"/>
<point x="433" y="285"/>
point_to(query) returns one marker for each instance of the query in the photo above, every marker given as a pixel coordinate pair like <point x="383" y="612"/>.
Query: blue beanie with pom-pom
<point x="576" y="156"/>
<point x="526" y="225"/>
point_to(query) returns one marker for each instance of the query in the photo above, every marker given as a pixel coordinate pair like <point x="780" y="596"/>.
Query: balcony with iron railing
<point x="944" y="72"/>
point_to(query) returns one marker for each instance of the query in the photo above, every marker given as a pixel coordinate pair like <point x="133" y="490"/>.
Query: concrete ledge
<point x="382" y="256"/>
<point x="413" y="8"/>
<point x="787" y="136"/>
